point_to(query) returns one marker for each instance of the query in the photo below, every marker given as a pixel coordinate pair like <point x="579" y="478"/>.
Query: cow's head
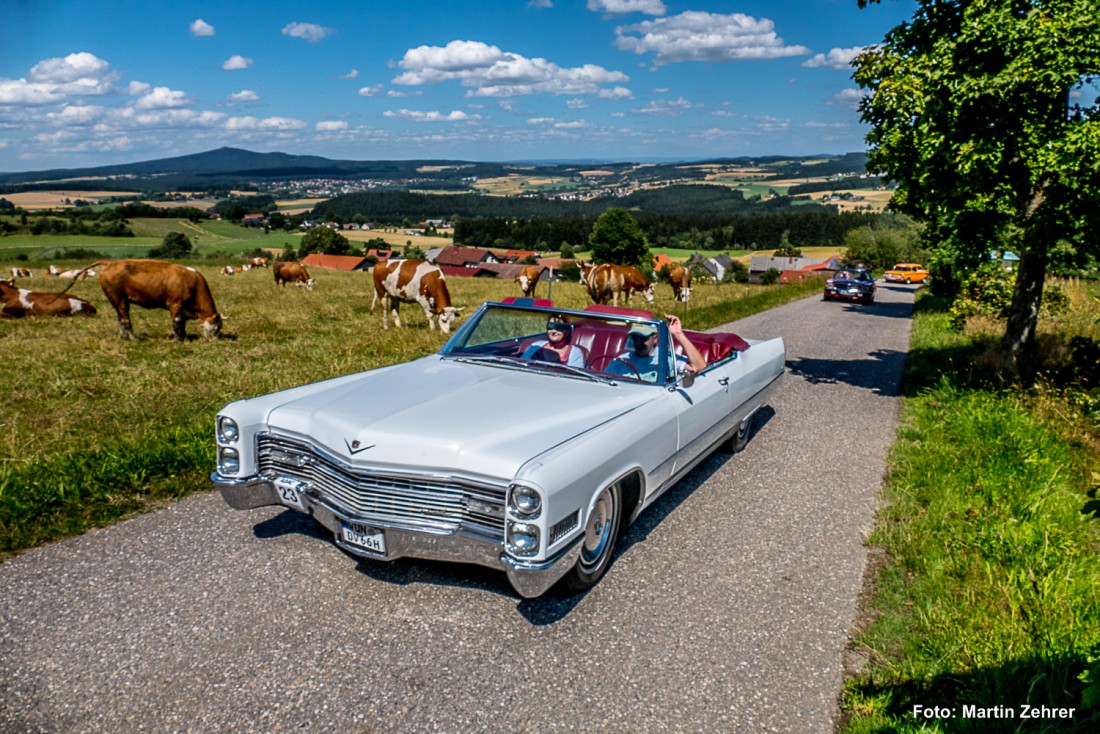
<point x="685" y="294"/>
<point x="212" y="326"/>
<point x="647" y="294"/>
<point x="447" y="317"/>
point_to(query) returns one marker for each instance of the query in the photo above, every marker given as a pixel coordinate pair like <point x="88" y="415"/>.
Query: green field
<point x="207" y="237"/>
<point x="100" y="428"/>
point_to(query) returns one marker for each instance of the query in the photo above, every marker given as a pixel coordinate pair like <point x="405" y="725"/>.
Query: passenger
<point x="557" y="346"/>
<point x="642" y="361"/>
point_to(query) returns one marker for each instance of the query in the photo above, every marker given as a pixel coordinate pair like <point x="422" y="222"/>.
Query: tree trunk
<point x="1018" y="346"/>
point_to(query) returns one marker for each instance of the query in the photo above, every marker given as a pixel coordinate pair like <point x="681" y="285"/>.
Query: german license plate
<point x="361" y="536"/>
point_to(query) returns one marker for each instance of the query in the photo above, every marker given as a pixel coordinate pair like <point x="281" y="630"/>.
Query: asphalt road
<point x="727" y="609"/>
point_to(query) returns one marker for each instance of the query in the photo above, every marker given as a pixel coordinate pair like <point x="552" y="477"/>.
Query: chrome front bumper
<point x="528" y="578"/>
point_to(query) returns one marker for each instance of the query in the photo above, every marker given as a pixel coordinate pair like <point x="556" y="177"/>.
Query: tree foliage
<point x="617" y="238"/>
<point x="974" y="114"/>
<point x="175" y="245"/>
<point x="324" y="240"/>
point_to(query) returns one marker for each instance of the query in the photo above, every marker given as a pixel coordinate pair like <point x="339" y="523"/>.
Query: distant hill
<point x="231" y="166"/>
<point x="235" y="168"/>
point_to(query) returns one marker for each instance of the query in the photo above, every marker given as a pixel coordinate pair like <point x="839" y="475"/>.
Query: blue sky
<point x="86" y="84"/>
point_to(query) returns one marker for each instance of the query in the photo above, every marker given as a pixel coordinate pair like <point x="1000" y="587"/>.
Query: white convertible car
<point x="497" y="450"/>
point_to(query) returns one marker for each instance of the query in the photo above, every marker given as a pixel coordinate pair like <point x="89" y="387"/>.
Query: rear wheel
<point x="740" y="438"/>
<point x="600" y="535"/>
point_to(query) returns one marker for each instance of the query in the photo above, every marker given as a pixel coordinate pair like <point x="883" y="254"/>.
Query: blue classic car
<point x="851" y="284"/>
<point x="525" y="444"/>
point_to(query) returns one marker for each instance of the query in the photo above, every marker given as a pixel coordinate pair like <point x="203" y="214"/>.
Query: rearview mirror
<point x="687" y="379"/>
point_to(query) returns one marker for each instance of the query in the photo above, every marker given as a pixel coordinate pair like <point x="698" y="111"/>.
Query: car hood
<point x="446" y="415"/>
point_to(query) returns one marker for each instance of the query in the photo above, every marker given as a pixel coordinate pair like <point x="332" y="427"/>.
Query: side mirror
<point x="687" y="379"/>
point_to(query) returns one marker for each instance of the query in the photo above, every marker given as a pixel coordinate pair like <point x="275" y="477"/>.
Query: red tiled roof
<point x="333" y="262"/>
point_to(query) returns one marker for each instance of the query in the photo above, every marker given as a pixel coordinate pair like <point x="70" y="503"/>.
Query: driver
<point x="557" y="346"/>
<point x="643" y="358"/>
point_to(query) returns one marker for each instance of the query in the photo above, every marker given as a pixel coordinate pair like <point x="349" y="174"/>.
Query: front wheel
<point x="600" y="535"/>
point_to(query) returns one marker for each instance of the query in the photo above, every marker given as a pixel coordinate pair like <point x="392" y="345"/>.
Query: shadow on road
<point x="548" y="609"/>
<point x="880" y="371"/>
<point x="884" y="309"/>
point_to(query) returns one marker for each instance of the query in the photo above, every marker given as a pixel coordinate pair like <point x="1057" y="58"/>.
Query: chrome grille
<point x="428" y="501"/>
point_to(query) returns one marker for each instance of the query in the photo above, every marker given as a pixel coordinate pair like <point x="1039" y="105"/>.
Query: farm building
<point x="337" y="262"/>
<point x="465" y="257"/>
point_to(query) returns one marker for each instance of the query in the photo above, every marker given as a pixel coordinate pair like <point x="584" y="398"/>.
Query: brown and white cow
<point x="19" y="302"/>
<point x="228" y="270"/>
<point x="20" y="273"/>
<point x="181" y="290"/>
<point x="606" y="281"/>
<point x="292" y="273"/>
<point x="679" y="278"/>
<point x="528" y="278"/>
<point x="53" y="270"/>
<point x="413" y="281"/>
<point x="259" y="262"/>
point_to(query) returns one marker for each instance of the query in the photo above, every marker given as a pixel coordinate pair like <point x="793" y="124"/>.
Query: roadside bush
<point x="987" y="292"/>
<point x="770" y="277"/>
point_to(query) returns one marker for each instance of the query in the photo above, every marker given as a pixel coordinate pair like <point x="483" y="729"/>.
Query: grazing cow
<point x="20" y="273"/>
<point x="292" y="273"/>
<point x="413" y="281"/>
<point x="606" y="281"/>
<point x="18" y="302"/>
<point x="245" y="268"/>
<point x="158" y="284"/>
<point x="53" y="270"/>
<point x="75" y="274"/>
<point x="528" y="278"/>
<point x="259" y="262"/>
<point x="228" y="270"/>
<point x="679" y="278"/>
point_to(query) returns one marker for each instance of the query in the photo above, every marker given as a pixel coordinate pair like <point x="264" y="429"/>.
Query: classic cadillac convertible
<point x="485" y="453"/>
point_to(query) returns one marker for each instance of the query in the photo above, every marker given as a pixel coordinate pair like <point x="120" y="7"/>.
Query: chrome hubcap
<point x="598" y="531"/>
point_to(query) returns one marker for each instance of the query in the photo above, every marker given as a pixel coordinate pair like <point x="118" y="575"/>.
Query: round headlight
<point x="229" y="461"/>
<point x="228" y="432"/>
<point x="523" y="538"/>
<point x="525" y="501"/>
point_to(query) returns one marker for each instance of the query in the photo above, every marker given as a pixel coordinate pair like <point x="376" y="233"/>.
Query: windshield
<point x="569" y="343"/>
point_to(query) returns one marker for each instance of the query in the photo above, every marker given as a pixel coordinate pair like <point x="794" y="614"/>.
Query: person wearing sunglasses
<point x="641" y="361"/>
<point x="557" y="346"/>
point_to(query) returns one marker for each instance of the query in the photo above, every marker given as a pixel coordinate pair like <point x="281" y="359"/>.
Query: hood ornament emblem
<point x="355" y="446"/>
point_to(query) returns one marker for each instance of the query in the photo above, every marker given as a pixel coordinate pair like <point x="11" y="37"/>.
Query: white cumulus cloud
<point x="418" y="116"/>
<point x="22" y="92"/>
<point x="700" y="36"/>
<point x="236" y="62"/>
<point x="160" y="98"/>
<point x="370" y="91"/>
<point x="245" y="95"/>
<point x="329" y="126"/>
<point x="491" y="72"/>
<point x="268" y="123"/>
<point x="353" y="74"/>
<point x="848" y="98"/>
<point x="309" y="31"/>
<point x="837" y="58"/>
<point x="77" y="73"/>
<point x="619" y="7"/>
<point x="201" y="28"/>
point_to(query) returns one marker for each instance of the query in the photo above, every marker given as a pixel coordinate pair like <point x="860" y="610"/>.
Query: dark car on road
<point x="851" y="284"/>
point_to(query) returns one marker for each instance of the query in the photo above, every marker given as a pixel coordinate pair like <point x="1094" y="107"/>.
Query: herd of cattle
<point x="185" y="294"/>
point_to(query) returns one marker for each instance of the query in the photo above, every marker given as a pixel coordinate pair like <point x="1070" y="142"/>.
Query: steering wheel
<point x="609" y="359"/>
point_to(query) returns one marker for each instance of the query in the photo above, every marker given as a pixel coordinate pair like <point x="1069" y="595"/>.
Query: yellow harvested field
<point x="203" y="204"/>
<point x="596" y="172"/>
<point x="876" y="199"/>
<point x="398" y="238"/>
<point x="56" y="199"/>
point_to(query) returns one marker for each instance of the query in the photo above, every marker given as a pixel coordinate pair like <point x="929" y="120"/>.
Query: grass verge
<point x="989" y="602"/>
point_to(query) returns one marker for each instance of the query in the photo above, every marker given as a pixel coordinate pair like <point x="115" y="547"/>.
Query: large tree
<point x="984" y="114"/>
<point x="617" y="238"/>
